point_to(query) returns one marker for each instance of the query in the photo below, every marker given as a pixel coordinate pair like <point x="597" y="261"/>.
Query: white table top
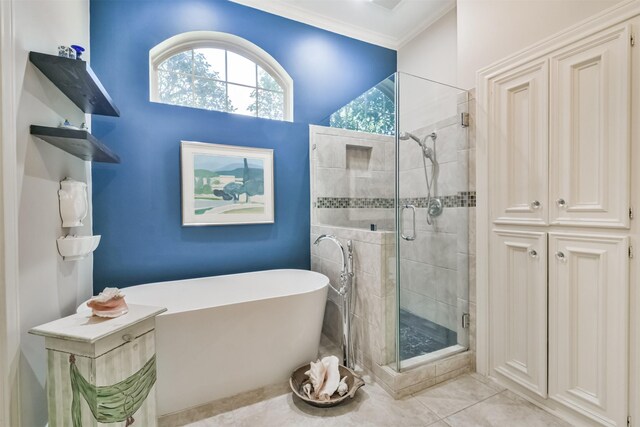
<point x="84" y="327"/>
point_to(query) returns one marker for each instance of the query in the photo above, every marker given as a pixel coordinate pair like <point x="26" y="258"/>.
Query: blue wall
<point x="136" y="205"/>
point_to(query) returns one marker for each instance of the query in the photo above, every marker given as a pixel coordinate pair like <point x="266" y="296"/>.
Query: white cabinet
<point x="589" y="131"/>
<point x="589" y="325"/>
<point x="518" y="307"/>
<point x="559" y="136"/>
<point x="518" y="145"/>
<point x="555" y="161"/>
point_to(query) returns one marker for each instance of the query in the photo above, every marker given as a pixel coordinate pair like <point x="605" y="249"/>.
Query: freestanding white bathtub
<point x="225" y="335"/>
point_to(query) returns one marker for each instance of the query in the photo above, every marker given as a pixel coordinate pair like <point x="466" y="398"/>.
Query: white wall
<point x="480" y="32"/>
<point x="49" y="288"/>
<point x="433" y="54"/>
<point x="489" y="30"/>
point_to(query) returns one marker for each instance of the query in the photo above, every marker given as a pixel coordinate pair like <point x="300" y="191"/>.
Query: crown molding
<point x="323" y="22"/>
<point x="426" y="24"/>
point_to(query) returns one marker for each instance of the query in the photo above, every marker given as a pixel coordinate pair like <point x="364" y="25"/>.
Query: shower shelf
<point x="80" y="143"/>
<point x="77" y="81"/>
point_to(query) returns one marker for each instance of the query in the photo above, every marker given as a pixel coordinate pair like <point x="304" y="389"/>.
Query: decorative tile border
<point x="353" y="202"/>
<point x="464" y="199"/>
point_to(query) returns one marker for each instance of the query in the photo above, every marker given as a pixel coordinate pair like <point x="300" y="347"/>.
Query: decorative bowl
<point x="298" y="379"/>
<point x="73" y="248"/>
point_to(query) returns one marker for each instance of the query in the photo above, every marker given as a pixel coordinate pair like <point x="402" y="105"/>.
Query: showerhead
<point x="427" y="151"/>
<point x="407" y="135"/>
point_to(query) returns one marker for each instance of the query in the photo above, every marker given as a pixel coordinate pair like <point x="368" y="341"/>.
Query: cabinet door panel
<point x="589" y="325"/>
<point x="590" y="131"/>
<point x="518" y="145"/>
<point x="518" y="308"/>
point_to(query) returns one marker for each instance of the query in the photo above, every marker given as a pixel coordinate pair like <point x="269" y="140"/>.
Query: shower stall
<point x="391" y="173"/>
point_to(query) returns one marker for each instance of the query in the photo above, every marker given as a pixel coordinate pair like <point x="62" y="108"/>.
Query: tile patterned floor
<point x="420" y="336"/>
<point x="462" y="402"/>
<point x="465" y="401"/>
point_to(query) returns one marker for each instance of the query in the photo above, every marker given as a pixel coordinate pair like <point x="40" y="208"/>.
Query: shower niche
<point x="406" y="178"/>
<point x="358" y="157"/>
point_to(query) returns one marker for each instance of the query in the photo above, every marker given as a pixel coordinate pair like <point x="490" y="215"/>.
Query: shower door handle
<point x="413" y="221"/>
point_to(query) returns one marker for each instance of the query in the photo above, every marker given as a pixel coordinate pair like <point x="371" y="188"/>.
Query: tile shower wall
<point x="352" y="187"/>
<point x="352" y="178"/>
<point x="434" y="266"/>
<point x="373" y="304"/>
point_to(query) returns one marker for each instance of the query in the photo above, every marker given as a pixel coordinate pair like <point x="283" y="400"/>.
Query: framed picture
<point x="224" y="184"/>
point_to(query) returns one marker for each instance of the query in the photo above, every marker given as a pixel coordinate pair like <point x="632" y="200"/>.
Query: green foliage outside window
<point x="372" y="112"/>
<point x="188" y="79"/>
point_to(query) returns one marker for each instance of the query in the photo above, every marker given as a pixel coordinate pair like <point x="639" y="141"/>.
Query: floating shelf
<point x="77" y="81"/>
<point x="80" y="143"/>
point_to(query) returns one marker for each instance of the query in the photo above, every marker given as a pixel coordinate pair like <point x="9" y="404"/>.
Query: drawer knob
<point x="127" y="337"/>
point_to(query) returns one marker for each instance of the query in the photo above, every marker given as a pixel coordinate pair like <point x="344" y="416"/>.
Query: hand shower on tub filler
<point x="345" y="291"/>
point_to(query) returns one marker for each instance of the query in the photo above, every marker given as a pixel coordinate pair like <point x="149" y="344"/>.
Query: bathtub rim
<point x="83" y="308"/>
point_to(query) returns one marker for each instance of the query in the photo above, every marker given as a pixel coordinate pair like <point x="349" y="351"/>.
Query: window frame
<point x="218" y="40"/>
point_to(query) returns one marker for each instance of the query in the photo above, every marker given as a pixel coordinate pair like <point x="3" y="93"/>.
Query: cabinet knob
<point x="560" y="256"/>
<point x="127" y="337"/>
<point x="536" y="204"/>
<point x="561" y="203"/>
<point x="533" y="253"/>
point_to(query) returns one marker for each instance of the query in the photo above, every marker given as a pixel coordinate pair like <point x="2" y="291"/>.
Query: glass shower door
<point x="433" y="203"/>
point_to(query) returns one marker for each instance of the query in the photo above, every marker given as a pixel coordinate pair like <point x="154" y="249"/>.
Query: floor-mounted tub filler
<point x="346" y="293"/>
<point x="226" y="335"/>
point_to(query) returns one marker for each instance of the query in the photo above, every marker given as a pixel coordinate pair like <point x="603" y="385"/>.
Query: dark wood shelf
<point x="80" y="143"/>
<point x="77" y="81"/>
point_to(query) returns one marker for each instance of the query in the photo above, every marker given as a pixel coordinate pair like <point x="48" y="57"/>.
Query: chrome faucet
<point x="345" y="291"/>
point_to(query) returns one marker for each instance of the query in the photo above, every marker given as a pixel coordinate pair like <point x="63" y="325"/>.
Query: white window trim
<point x="217" y="40"/>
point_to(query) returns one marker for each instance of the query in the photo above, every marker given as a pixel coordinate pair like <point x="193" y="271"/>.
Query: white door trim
<point x="9" y="314"/>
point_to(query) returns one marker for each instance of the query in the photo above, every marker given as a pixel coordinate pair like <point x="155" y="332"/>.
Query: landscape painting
<point x="226" y="184"/>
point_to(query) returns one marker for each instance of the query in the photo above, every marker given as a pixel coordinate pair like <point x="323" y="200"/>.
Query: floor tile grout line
<point x="474" y="404"/>
<point x="496" y="392"/>
<point x="234" y="420"/>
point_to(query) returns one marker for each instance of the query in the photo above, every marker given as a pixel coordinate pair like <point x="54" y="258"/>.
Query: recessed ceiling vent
<point x="387" y="4"/>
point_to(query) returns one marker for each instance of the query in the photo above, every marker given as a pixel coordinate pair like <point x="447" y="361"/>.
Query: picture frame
<point x="226" y="184"/>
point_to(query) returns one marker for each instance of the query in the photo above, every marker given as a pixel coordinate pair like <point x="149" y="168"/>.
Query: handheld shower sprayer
<point x="434" y="204"/>
<point x="428" y="152"/>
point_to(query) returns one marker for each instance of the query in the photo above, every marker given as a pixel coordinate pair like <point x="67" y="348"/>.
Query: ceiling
<point x="388" y="23"/>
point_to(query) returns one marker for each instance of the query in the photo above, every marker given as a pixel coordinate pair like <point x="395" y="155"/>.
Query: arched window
<point x="222" y="72"/>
